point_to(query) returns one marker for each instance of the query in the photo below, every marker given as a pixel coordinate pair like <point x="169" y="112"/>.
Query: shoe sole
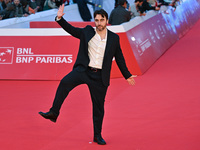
<point x="53" y="120"/>
<point x="99" y="143"/>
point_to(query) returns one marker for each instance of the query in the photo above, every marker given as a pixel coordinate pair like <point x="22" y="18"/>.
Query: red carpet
<point x="160" y="113"/>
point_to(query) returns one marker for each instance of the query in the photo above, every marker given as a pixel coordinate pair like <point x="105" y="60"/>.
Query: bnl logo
<point x="6" y="55"/>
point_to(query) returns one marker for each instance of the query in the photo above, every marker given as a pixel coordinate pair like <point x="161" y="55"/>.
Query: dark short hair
<point x="101" y="12"/>
<point x="121" y="2"/>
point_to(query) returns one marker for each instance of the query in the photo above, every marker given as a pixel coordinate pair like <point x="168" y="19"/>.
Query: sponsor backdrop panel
<point x="49" y="57"/>
<point x="150" y="40"/>
<point x="37" y="57"/>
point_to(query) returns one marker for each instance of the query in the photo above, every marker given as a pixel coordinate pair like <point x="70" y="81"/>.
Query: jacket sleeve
<point x="74" y="31"/>
<point x="121" y="61"/>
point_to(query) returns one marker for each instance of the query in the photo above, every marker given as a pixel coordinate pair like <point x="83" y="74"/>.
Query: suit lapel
<point x="108" y="43"/>
<point x="90" y="34"/>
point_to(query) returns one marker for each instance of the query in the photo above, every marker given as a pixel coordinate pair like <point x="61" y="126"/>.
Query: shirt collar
<point x="105" y="39"/>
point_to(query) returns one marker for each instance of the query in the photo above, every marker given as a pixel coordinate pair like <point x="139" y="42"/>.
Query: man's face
<point x="100" y="22"/>
<point x="16" y="2"/>
<point x="7" y="1"/>
<point x="125" y="5"/>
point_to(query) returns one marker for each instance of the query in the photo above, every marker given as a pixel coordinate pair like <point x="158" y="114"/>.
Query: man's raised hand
<point x="60" y="11"/>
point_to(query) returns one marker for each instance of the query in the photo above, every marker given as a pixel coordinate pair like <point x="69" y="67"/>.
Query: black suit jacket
<point x="112" y="50"/>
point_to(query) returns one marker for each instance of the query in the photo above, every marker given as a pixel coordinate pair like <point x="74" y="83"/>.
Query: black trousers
<point x="96" y="88"/>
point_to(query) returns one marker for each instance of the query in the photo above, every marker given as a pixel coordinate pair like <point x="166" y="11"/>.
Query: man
<point x="18" y="9"/>
<point x="92" y="67"/>
<point x="119" y="14"/>
<point x="8" y="11"/>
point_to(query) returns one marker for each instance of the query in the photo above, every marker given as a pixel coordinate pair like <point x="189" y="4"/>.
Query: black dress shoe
<point x="99" y="140"/>
<point x="49" y="115"/>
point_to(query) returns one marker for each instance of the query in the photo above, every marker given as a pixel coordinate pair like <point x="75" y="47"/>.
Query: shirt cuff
<point x="57" y="18"/>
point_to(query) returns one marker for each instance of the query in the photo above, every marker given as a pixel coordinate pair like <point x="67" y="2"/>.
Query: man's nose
<point x="99" y="22"/>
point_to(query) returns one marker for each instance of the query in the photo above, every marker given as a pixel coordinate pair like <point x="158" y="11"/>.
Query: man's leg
<point x="98" y="93"/>
<point x="69" y="82"/>
<point x="98" y="98"/>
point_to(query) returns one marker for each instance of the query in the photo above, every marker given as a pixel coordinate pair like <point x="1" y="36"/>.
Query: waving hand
<point x="60" y="11"/>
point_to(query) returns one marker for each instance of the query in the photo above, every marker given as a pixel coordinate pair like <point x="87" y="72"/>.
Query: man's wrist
<point x="58" y="18"/>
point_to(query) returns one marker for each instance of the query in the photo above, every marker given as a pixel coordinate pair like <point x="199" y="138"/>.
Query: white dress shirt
<point x="96" y="50"/>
